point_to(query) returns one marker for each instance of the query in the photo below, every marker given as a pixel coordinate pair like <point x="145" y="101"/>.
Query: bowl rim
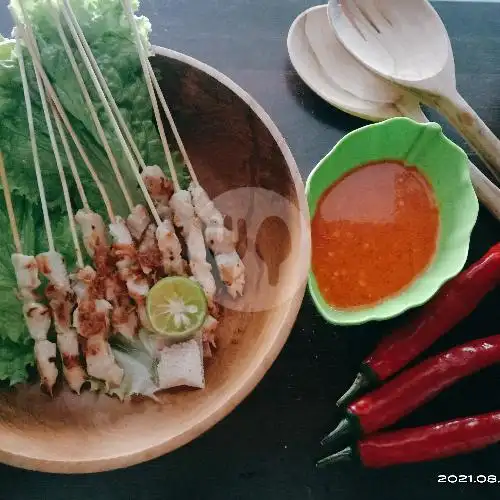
<point x="258" y="367"/>
<point x="372" y="313"/>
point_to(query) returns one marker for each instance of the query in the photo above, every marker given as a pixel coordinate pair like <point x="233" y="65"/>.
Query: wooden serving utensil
<point x="406" y="42"/>
<point x="335" y="75"/>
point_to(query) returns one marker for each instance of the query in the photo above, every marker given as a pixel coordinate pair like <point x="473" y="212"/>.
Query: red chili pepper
<point x="455" y="301"/>
<point x="420" y="444"/>
<point x="415" y="386"/>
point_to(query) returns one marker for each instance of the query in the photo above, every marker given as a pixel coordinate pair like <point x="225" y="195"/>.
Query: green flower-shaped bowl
<point x="446" y="167"/>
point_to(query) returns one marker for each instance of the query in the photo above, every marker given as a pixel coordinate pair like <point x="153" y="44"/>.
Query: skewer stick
<point x="31" y="45"/>
<point x="71" y="160"/>
<point x="71" y="19"/>
<point x="90" y="105"/>
<point x="10" y="208"/>
<point x="34" y="148"/>
<point x="60" y="129"/>
<point x="171" y="121"/>
<point x="114" y="122"/>
<point x="60" y="168"/>
<point x="140" y="49"/>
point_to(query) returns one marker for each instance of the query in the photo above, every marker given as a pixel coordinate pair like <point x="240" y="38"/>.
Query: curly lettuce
<point x="109" y="35"/>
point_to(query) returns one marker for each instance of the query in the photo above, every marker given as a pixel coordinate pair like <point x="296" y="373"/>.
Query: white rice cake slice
<point x="181" y="365"/>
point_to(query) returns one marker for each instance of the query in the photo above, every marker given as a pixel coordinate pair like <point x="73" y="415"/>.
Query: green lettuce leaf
<point x="110" y="38"/>
<point x="16" y="346"/>
<point x="15" y="358"/>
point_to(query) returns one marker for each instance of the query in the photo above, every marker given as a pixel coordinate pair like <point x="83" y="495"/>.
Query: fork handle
<point x="460" y="114"/>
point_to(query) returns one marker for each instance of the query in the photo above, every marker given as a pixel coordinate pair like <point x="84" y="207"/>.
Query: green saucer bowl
<point x="446" y="167"/>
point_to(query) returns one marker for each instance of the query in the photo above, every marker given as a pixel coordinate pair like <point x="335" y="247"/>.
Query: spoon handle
<point x="456" y="109"/>
<point x="487" y="193"/>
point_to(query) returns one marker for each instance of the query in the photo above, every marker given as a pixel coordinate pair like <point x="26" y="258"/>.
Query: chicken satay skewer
<point x="218" y="238"/>
<point x="184" y="216"/>
<point x="59" y="115"/>
<point x="139" y="218"/>
<point x="124" y="319"/>
<point x="197" y="255"/>
<point x="92" y="309"/>
<point x="51" y="264"/>
<point x="90" y="218"/>
<point x="62" y="300"/>
<point x="156" y="179"/>
<point x="137" y="284"/>
<point x="166" y="230"/>
<point x="170" y="247"/>
<point x="79" y="39"/>
<point x="36" y="315"/>
<point x="91" y="317"/>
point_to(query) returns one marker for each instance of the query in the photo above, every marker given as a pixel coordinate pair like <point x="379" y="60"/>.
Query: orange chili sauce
<point x="374" y="231"/>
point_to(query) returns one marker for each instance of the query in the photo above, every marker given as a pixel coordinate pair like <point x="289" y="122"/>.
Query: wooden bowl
<point x="233" y="144"/>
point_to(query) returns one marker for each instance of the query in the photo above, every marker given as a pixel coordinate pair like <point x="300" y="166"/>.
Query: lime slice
<point x="177" y="307"/>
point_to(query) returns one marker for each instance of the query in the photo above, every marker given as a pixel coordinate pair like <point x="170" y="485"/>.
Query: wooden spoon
<point x="406" y="42"/>
<point x="336" y="76"/>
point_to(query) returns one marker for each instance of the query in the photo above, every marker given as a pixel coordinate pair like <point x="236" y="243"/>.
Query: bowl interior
<point x="232" y="144"/>
<point x="445" y="166"/>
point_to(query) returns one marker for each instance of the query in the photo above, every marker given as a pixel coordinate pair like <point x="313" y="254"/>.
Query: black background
<point x="267" y="447"/>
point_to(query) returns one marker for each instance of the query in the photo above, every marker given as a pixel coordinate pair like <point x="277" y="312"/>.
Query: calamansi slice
<point x="177" y="307"/>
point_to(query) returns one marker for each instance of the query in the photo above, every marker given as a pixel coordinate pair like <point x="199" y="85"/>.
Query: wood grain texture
<point x="233" y="144"/>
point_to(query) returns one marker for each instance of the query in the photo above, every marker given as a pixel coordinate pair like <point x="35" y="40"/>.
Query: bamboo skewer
<point x="10" y="208"/>
<point x="71" y="20"/>
<point x="34" y="148"/>
<point x="171" y="122"/>
<point x="114" y="122"/>
<point x="71" y="160"/>
<point x="36" y="315"/>
<point x="154" y="102"/>
<point x="60" y="168"/>
<point x="93" y="113"/>
<point x="31" y="45"/>
<point x="62" y="134"/>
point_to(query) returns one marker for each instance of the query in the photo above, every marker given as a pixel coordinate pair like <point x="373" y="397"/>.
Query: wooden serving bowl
<point x="233" y="144"/>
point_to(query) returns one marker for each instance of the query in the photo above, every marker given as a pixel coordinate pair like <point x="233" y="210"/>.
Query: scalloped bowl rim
<point x="434" y="280"/>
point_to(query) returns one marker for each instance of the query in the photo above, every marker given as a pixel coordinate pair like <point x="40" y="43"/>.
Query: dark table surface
<point x="267" y="447"/>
